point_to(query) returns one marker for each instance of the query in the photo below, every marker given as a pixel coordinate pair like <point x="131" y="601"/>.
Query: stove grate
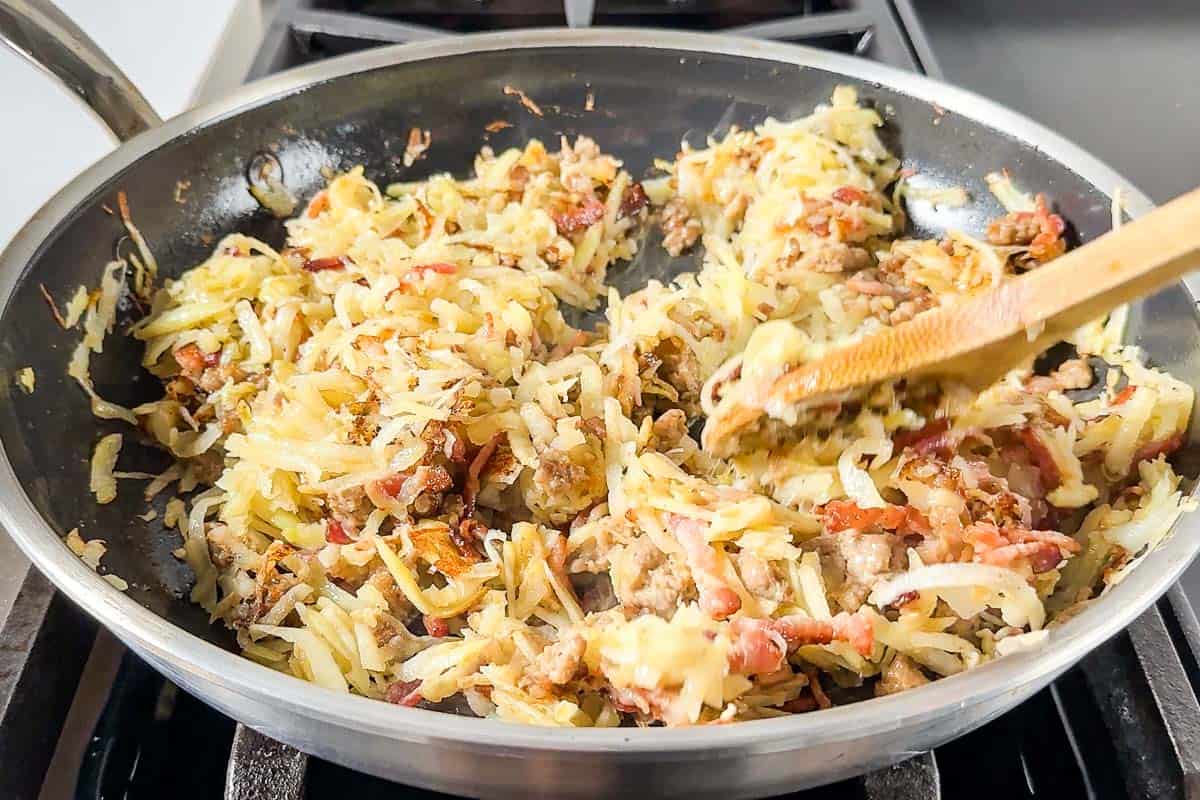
<point x="303" y="32"/>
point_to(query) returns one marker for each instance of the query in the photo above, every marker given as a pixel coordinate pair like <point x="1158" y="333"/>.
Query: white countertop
<point x="176" y="52"/>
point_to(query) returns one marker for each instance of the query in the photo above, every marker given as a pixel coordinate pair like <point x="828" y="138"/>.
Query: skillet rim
<point x="204" y="663"/>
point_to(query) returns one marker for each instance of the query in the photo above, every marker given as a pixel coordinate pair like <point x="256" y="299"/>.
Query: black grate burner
<point x="303" y="32"/>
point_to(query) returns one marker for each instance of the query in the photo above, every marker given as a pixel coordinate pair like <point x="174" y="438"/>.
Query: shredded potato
<point x="26" y="379"/>
<point x="104" y="459"/>
<point x="418" y="482"/>
<point x="89" y="552"/>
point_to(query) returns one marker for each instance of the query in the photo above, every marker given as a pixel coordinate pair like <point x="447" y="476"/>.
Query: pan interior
<point x="188" y="193"/>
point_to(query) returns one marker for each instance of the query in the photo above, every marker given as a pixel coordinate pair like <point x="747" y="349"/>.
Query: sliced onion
<point x="995" y="586"/>
<point x="856" y="481"/>
<point x="256" y="335"/>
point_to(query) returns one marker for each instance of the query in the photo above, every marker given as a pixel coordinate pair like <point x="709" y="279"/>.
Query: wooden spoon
<point x="978" y="340"/>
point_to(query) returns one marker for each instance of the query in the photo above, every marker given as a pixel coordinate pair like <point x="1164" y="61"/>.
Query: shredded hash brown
<point x="402" y="473"/>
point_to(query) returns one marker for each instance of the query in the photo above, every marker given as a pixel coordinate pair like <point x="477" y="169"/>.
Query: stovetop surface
<point x="1118" y="725"/>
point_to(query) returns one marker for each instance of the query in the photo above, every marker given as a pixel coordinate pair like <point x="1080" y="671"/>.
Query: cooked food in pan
<point x="403" y="473"/>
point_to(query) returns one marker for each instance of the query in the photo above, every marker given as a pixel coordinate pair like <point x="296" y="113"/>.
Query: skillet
<point x="652" y="89"/>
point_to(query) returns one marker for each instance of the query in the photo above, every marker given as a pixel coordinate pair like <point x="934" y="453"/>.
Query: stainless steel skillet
<point x="651" y="89"/>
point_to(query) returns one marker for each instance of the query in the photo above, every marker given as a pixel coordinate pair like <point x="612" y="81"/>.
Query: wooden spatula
<point x="979" y="339"/>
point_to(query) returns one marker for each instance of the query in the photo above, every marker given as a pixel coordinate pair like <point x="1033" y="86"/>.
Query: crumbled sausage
<point x="680" y="228"/>
<point x="633" y="201"/>
<point x="559" y="662"/>
<point x="1016" y="229"/>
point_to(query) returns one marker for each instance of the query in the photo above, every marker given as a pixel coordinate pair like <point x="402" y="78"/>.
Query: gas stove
<point x="81" y="717"/>
<point x="309" y="30"/>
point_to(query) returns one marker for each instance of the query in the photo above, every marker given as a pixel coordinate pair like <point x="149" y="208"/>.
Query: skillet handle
<point x="38" y="30"/>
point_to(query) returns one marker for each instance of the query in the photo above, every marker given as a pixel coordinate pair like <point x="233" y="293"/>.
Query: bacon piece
<point x="319" y="203"/>
<point x="799" y="629"/>
<point x="193" y="361"/>
<point x="1039" y="230"/>
<point x="421" y="270"/>
<point x="986" y="535"/>
<point x="335" y="533"/>
<point x="1002" y="547"/>
<point x="906" y="520"/>
<point x="58" y="317"/>
<point x="760" y="645"/>
<point x="190" y="358"/>
<point x="1042" y="556"/>
<point x="1049" y="243"/>
<point x="436" y="626"/>
<point x="580" y="217"/>
<point x="914" y="439"/>
<point x="454" y="447"/>
<point x="983" y="537"/>
<point x="717" y="599"/>
<point x="530" y="106"/>
<point x="471" y="485"/>
<point x="855" y="629"/>
<point x="840" y="515"/>
<point x="1124" y="395"/>
<point x="633" y="201"/>
<point x="404" y="693"/>
<point x="1060" y="540"/>
<point x="1153" y="450"/>
<point x="407" y="485"/>
<point x="565" y="348"/>
<point x="942" y="443"/>
<point x="1045" y="558"/>
<point x="497" y="125"/>
<point x="1050" y="517"/>
<point x="849" y="194"/>
<point x="392" y="484"/>
<point x="432" y="479"/>
<point x="757" y="648"/>
<point x="438" y="267"/>
<point x="1041" y="457"/>
<point x="322" y="264"/>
